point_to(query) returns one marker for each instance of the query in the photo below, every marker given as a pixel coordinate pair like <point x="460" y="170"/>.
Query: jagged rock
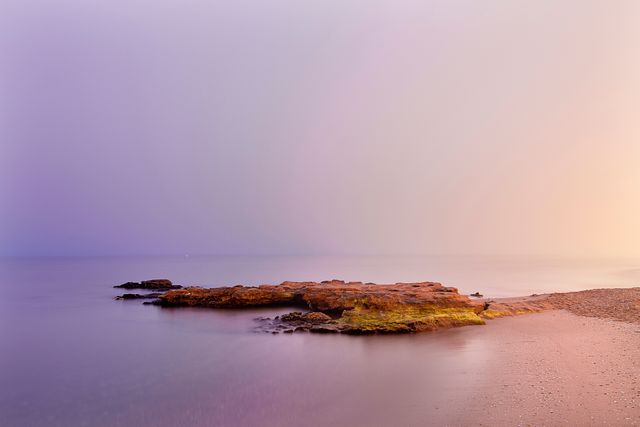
<point x="337" y="306"/>
<point x="295" y="316"/>
<point x="163" y="284"/>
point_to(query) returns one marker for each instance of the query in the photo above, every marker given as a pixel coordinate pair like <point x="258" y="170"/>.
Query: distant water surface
<point x="72" y="356"/>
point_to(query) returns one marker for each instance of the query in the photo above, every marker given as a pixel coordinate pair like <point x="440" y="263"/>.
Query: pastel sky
<point x="319" y="127"/>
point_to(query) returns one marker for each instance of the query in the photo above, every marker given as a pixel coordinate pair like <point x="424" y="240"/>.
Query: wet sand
<point x="554" y="369"/>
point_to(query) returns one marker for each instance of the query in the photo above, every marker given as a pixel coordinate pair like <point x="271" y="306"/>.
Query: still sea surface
<point x="72" y="356"/>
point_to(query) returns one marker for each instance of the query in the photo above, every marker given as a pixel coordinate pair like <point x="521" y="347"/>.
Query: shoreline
<point x="570" y="358"/>
<point x="554" y="368"/>
<point x="622" y="304"/>
<point x="358" y="308"/>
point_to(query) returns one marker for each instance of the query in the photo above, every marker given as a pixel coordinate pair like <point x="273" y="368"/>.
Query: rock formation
<point x="336" y="306"/>
<point x="366" y="308"/>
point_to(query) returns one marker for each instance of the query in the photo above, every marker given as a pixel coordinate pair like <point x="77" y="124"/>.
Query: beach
<point x="567" y="358"/>
<point x="555" y="368"/>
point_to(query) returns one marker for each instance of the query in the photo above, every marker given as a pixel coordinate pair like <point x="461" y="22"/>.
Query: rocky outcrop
<point x="153" y="284"/>
<point x="366" y="308"/>
<point x="337" y="306"/>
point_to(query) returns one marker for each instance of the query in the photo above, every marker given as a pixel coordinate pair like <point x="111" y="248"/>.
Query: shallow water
<point x="72" y="356"/>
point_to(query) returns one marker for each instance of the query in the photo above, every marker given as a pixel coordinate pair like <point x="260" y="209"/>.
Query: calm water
<point x="71" y="356"/>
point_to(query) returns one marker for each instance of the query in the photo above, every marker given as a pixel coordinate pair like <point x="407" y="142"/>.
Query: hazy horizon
<point x="319" y="128"/>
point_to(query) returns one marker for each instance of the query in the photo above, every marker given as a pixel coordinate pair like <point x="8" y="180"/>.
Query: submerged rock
<point x="163" y="284"/>
<point x="337" y="306"/>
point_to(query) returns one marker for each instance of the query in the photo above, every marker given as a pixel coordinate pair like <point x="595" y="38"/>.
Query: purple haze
<point x="288" y="127"/>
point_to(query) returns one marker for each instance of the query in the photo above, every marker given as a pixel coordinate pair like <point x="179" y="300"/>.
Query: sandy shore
<point x="555" y="369"/>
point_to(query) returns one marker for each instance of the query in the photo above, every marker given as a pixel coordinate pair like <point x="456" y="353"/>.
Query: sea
<point x="71" y="355"/>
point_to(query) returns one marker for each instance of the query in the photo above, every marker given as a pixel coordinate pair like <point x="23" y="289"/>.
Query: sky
<point x="319" y="127"/>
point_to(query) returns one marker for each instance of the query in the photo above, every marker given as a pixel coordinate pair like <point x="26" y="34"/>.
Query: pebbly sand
<point x="554" y="369"/>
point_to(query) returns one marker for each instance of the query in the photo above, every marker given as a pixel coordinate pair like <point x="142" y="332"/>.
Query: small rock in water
<point x="138" y="296"/>
<point x="476" y="295"/>
<point x="295" y="316"/>
<point x="150" y="284"/>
